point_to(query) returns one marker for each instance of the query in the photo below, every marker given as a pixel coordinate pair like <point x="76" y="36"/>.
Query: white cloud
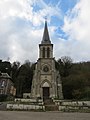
<point x="17" y="8"/>
<point x="18" y="39"/>
<point x="21" y="29"/>
<point x="77" y="27"/>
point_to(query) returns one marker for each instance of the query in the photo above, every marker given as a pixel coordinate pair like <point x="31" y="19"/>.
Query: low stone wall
<point x="61" y="105"/>
<point x="68" y="105"/>
<point x="71" y="103"/>
<point x="31" y="101"/>
<point x="74" y="108"/>
<point x="28" y="100"/>
<point x="24" y="107"/>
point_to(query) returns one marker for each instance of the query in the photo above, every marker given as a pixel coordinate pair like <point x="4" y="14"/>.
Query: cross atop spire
<point x="46" y="38"/>
<point x="46" y="18"/>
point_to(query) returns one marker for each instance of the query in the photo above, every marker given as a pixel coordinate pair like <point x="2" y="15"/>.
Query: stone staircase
<point x="50" y="105"/>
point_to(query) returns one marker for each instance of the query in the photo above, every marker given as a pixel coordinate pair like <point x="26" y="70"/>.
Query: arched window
<point x="48" y="52"/>
<point x="43" y="52"/>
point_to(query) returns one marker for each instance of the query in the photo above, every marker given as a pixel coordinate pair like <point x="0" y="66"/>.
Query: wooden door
<point x="46" y="93"/>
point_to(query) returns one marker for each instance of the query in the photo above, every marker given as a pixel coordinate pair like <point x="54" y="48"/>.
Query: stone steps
<point x="51" y="108"/>
<point x="50" y="105"/>
<point x="49" y="102"/>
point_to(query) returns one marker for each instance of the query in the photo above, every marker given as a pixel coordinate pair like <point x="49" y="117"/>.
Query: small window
<point x="48" y="52"/>
<point x="45" y="69"/>
<point x="43" y="52"/>
<point x="1" y="91"/>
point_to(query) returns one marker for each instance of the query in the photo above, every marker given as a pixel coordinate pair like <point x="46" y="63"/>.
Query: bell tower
<point x="46" y="48"/>
<point x="46" y="80"/>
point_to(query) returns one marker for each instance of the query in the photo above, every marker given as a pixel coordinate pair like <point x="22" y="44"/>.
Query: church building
<point x="46" y="81"/>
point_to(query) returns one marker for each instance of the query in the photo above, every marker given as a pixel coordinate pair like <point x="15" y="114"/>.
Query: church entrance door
<point x="46" y="93"/>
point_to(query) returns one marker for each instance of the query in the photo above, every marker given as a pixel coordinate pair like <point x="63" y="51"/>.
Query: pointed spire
<point x="46" y="39"/>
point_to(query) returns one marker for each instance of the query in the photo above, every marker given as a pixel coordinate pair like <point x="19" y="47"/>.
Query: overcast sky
<point x="22" y="25"/>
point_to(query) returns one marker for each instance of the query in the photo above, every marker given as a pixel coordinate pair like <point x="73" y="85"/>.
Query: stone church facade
<point x="46" y="81"/>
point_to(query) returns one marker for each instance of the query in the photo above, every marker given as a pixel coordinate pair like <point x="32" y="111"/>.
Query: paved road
<point x="15" y="115"/>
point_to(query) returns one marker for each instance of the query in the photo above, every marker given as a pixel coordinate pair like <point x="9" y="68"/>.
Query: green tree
<point x="24" y="78"/>
<point x="5" y="67"/>
<point x="15" y="70"/>
<point x="64" y="65"/>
